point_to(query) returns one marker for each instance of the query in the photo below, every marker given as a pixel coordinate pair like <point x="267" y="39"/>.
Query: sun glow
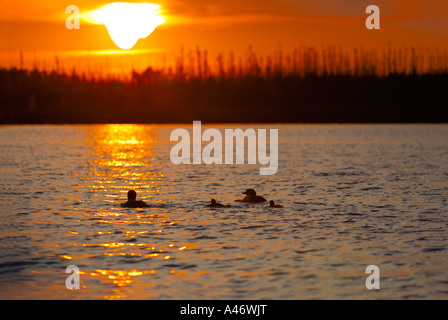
<point x="128" y="22"/>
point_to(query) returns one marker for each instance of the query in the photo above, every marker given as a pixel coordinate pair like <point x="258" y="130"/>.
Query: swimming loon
<point x="214" y="204"/>
<point x="132" y="203"/>
<point x="251" y="196"/>
<point x="273" y="205"/>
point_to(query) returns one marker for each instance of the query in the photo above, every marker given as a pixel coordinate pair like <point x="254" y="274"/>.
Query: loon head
<point x="132" y="195"/>
<point x="250" y="192"/>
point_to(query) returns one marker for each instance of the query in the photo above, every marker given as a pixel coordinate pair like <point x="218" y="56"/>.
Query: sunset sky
<point x="37" y="29"/>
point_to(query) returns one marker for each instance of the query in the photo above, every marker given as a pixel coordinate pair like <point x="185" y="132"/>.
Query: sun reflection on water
<point x="119" y="278"/>
<point x="125" y="241"/>
<point x="121" y="160"/>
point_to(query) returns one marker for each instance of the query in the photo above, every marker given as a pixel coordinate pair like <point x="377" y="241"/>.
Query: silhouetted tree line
<point x="307" y="86"/>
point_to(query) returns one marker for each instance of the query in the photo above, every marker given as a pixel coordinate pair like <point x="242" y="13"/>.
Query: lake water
<point x="353" y="196"/>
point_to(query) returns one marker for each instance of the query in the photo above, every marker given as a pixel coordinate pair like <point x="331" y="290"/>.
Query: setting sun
<point x="128" y="22"/>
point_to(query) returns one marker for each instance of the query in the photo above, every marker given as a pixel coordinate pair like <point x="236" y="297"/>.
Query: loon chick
<point x="273" y="205"/>
<point x="215" y="204"/>
<point x="132" y="203"/>
<point x="251" y="196"/>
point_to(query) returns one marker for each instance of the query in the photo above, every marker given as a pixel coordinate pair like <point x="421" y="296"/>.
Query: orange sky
<point x="37" y="28"/>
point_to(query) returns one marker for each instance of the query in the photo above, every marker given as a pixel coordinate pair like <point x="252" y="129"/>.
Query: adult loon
<point x="251" y="196"/>
<point x="132" y="203"/>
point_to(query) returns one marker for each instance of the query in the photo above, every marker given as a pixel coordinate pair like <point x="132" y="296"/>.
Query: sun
<point x="128" y="22"/>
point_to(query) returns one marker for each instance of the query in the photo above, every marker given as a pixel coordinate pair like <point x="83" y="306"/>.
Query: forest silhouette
<point x="309" y="85"/>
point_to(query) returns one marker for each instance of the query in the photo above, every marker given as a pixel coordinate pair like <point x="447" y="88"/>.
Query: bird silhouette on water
<point x="251" y="196"/>
<point x="132" y="202"/>
<point x="273" y="205"/>
<point x="214" y="204"/>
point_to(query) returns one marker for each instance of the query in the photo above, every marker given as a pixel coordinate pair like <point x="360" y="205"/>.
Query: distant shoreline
<point x="38" y="97"/>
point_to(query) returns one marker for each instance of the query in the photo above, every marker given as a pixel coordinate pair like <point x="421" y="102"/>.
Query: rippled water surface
<point x="353" y="196"/>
